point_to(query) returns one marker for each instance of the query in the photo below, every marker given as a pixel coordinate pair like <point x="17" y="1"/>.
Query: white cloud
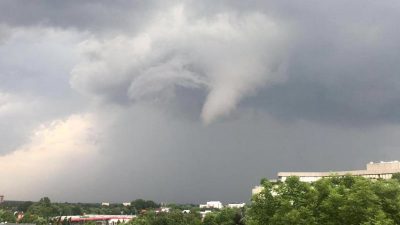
<point x="62" y="145"/>
<point x="11" y="104"/>
<point x="228" y="55"/>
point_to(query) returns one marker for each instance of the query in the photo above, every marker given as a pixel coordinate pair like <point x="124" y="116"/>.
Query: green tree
<point x="396" y="176"/>
<point x="140" y="204"/>
<point x="7" y="216"/>
<point x="44" y="208"/>
<point x="225" y="216"/>
<point x="24" y="206"/>
<point x="330" y="201"/>
<point x="76" y="210"/>
<point x="32" y="218"/>
<point x="388" y="192"/>
<point x="171" y="218"/>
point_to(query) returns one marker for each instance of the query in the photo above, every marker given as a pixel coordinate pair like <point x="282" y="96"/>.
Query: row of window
<point x="371" y="176"/>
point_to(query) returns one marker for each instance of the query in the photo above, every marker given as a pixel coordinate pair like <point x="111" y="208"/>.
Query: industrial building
<point x="381" y="170"/>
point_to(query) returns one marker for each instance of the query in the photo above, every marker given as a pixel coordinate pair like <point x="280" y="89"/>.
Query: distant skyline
<point x="191" y="101"/>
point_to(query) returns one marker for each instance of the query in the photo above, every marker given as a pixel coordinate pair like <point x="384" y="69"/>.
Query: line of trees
<point x="42" y="211"/>
<point x="224" y="216"/>
<point x="340" y="200"/>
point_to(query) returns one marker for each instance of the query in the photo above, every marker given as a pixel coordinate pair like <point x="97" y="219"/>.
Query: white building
<point x="212" y="204"/>
<point x="186" y="211"/>
<point x="105" y="204"/>
<point x="126" y="204"/>
<point x="165" y="209"/>
<point x="236" y="205"/>
<point x="381" y="170"/>
<point x="204" y="213"/>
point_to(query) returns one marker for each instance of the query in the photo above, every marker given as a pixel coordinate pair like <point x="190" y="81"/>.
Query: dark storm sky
<point x="190" y="101"/>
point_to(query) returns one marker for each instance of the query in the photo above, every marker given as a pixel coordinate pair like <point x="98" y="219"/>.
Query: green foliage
<point x="32" y="218"/>
<point x="181" y="207"/>
<point x="140" y="204"/>
<point x="44" y="208"/>
<point x="396" y="176"/>
<point x="330" y="201"/>
<point x="171" y="218"/>
<point x="24" y="206"/>
<point x="225" y="216"/>
<point x="6" y="216"/>
<point x="90" y="223"/>
<point x="44" y="211"/>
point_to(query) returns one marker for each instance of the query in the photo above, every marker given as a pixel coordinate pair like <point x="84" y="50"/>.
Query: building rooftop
<point x="371" y="169"/>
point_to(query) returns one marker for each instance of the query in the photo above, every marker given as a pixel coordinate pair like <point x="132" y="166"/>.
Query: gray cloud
<point x="170" y="159"/>
<point x="92" y="16"/>
<point x="341" y="67"/>
<point x="3" y="33"/>
<point x="179" y="51"/>
<point x="280" y="85"/>
<point x="34" y="88"/>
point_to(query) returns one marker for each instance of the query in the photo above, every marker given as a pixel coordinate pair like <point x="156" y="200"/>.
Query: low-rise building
<point x="203" y="206"/>
<point x="204" y="213"/>
<point x="212" y="204"/>
<point x="99" y="219"/>
<point x="165" y="209"/>
<point x="381" y="170"/>
<point x="126" y="204"/>
<point x="236" y="205"/>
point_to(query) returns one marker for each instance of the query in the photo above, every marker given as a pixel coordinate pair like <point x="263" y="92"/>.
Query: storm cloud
<point x="189" y="101"/>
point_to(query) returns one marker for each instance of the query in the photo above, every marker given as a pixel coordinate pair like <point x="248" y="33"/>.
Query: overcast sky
<point x="192" y="101"/>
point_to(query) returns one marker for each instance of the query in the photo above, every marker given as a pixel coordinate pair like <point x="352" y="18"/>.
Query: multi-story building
<point x="382" y="170"/>
<point x="1" y="199"/>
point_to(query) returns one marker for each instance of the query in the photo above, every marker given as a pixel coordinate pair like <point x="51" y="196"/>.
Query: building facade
<point x="236" y="205"/>
<point x="381" y="170"/>
<point x="212" y="204"/>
